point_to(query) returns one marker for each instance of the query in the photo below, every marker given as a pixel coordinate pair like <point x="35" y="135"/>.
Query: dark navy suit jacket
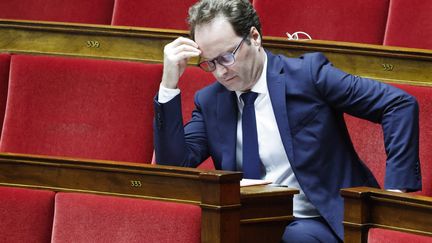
<point x="309" y="97"/>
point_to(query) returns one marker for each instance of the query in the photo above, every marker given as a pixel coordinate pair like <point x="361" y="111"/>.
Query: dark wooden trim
<point x="367" y="208"/>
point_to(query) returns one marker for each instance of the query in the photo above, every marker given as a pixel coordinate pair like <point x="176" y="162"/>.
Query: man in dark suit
<point x="299" y="137"/>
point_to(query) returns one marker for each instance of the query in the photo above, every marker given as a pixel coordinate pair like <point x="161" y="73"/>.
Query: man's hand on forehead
<point x="182" y="48"/>
<point x="176" y="56"/>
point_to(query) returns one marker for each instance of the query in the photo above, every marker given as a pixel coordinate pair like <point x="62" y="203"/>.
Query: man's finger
<point x="183" y="40"/>
<point x="185" y="48"/>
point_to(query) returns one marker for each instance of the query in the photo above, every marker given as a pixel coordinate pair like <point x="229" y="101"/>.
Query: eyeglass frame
<point x="214" y="60"/>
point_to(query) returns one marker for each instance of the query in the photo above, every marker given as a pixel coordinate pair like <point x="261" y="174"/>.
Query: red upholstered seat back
<point x="4" y="77"/>
<point x="192" y="80"/>
<point x="377" y="235"/>
<point x="368" y="139"/>
<point x="84" y="108"/>
<point x="340" y="20"/>
<point x="409" y="24"/>
<point x="167" y="14"/>
<point x="26" y="215"/>
<point x="78" y="11"/>
<point x="94" y="218"/>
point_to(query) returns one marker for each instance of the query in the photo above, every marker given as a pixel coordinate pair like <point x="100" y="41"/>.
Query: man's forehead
<point x="215" y="37"/>
<point x="218" y="28"/>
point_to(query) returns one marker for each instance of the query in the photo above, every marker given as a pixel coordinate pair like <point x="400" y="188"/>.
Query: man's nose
<point x="220" y="70"/>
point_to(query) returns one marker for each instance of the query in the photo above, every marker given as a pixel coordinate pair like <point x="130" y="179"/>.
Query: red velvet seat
<point x="360" y="21"/>
<point x="85" y="108"/>
<point x="4" y="77"/>
<point x="391" y="236"/>
<point x="409" y="24"/>
<point x="81" y="11"/>
<point x="167" y="14"/>
<point x="26" y="215"/>
<point x="94" y="218"/>
<point x="194" y="79"/>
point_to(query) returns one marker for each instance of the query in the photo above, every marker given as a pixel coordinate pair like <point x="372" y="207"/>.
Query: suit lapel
<point x="227" y="128"/>
<point x="276" y="80"/>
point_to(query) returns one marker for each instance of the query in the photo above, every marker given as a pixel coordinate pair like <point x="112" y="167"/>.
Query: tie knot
<point x="249" y="97"/>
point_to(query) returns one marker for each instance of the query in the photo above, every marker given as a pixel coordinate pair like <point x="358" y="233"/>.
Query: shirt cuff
<point x="166" y="94"/>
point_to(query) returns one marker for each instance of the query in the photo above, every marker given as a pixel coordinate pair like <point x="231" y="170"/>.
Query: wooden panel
<point x="228" y="212"/>
<point x="264" y="213"/>
<point x="98" y="41"/>
<point x="390" y="64"/>
<point x="370" y="207"/>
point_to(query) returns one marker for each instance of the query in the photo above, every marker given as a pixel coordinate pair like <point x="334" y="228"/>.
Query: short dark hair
<point x="240" y="13"/>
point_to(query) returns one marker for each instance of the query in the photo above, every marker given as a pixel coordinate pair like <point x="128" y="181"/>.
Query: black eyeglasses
<point x="226" y="59"/>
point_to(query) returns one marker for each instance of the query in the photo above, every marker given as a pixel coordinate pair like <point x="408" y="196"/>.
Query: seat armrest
<point x="367" y="207"/>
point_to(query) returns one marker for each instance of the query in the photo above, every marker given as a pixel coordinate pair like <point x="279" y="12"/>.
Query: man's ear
<point x="255" y="37"/>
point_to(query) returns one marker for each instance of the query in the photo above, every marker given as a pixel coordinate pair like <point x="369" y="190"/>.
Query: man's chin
<point x="231" y="86"/>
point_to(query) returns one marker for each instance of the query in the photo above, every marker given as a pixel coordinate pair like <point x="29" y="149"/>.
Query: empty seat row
<point x="103" y="109"/>
<point x="383" y="22"/>
<point x="29" y="215"/>
<point x="84" y="108"/>
<point x="83" y="11"/>
<point x="387" y="22"/>
<point x="362" y="21"/>
<point x="169" y="14"/>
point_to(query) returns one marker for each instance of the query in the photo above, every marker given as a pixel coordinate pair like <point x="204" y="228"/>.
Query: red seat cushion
<point x="86" y="108"/>
<point x="4" y="77"/>
<point x="94" y="218"/>
<point x="409" y="24"/>
<point x="26" y="215"/>
<point x="368" y="139"/>
<point x="192" y="80"/>
<point x="376" y="235"/>
<point x="360" y="21"/>
<point x="78" y="11"/>
<point x="165" y="14"/>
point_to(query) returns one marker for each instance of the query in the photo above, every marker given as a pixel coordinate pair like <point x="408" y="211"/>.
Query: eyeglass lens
<point x="225" y="59"/>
